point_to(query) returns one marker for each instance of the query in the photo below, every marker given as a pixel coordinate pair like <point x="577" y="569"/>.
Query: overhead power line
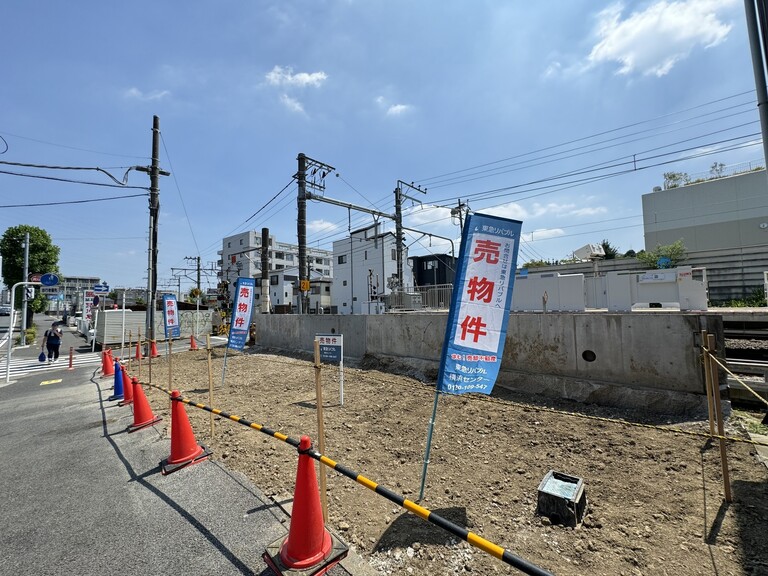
<point x="72" y="201"/>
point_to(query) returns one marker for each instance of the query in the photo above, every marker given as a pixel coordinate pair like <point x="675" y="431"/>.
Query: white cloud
<point x="136" y="94"/>
<point x="280" y="76"/>
<point x="292" y="104"/>
<point x="511" y="210"/>
<point x="392" y="109"/>
<point x="321" y="226"/>
<point x="652" y="41"/>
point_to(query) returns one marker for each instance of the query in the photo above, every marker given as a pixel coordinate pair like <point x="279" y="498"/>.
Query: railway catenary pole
<point x="758" y="50"/>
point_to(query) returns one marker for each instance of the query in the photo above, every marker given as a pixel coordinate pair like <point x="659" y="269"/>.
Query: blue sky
<point x="557" y="113"/>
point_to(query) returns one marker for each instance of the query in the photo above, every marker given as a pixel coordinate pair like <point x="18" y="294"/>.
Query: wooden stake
<point x="719" y="415"/>
<point x="210" y="378"/>
<point x="708" y="381"/>
<point x="320" y="428"/>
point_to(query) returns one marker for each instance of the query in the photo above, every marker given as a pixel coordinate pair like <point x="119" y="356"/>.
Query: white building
<point x="241" y="257"/>
<point x="284" y="293"/>
<point x="365" y="268"/>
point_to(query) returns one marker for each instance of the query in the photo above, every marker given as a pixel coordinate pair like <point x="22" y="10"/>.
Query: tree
<point x="675" y="179"/>
<point x="630" y="254"/>
<point x="43" y="258"/>
<point x="717" y="169"/>
<point x="610" y="251"/>
<point x="663" y="256"/>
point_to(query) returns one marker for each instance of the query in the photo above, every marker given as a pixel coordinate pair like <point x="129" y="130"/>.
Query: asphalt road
<point x="80" y="495"/>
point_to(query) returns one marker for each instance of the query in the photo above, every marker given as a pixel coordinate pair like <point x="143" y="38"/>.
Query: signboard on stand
<point x="240" y="323"/>
<point x="88" y="304"/>
<point x="171" y="317"/>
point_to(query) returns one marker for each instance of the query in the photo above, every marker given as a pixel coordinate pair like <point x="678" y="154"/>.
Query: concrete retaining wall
<point x="646" y="358"/>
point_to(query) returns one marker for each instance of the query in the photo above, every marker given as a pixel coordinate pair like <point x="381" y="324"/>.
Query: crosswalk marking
<point x="24" y="366"/>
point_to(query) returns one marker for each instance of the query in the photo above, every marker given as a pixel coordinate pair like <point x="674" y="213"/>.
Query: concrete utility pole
<point x="399" y="223"/>
<point x="23" y="334"/>
<point x="317" y="171"/>
<point x="757" y="29"/>
<point x="265" y="307"/>
<point x="154" y="211"/>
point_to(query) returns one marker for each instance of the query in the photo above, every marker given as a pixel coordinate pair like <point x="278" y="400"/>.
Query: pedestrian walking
<point x="52" y="341"/>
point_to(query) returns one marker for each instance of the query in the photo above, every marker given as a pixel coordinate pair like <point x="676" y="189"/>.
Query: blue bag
<point x="41" y="357"/>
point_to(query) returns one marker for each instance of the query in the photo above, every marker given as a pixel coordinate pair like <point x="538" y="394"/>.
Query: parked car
<point x="5" y="310"/>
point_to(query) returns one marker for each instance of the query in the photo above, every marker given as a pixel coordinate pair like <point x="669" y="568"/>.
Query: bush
<point x="31" y="334"/>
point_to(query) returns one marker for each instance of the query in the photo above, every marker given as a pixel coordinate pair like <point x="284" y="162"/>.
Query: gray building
<point x="723" y="223"/>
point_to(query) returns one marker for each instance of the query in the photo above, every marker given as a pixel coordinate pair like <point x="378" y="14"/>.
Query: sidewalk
<point x="81" y="495"/>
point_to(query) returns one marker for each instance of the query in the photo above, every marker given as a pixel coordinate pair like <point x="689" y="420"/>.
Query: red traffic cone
<point x="309" y="544"/>
<point x="184" y="449"/>
<point x="192" y="343"/>
<point x="127" y="388"/>
<point x="139" y="355"/>
<point x="107" y="363"/>
<point x="142" y="412"/>
<point x="153" y="350"/>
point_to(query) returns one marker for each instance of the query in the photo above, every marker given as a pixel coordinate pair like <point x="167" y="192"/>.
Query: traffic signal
<point x="29" y="292"/>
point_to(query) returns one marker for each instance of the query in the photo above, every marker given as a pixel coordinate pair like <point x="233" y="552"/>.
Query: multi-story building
<point x="284" y="293"/>
<point x="365" y="269"/>
<point x="241" y="256"/>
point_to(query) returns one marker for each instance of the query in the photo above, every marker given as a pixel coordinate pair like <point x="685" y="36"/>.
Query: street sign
<point x="35" y="277"/>
<point x="305" y="285"/>
<point x="29" y="291"/>
<point x="49" y="280"/>
<point x="95" y="300"/>
<point x="100" y="288"/>
<point x="49" y="289"/>
<point x="331" y="348"/>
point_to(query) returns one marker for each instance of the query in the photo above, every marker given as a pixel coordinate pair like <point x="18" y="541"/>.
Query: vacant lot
<point x="656" y="500"/>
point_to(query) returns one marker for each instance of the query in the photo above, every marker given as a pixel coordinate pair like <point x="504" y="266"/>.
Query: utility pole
<point x="195" y="259"/>
<point x="265" y="307"/>
<point x="317" y="171"/>
<point x="23" y="334"/>
<point x="756" y="27"/>
<point x="400" y="236"/>
<point x="154" y="211"/>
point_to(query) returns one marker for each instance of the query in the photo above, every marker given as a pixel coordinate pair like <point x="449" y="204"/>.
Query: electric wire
<point x="37" y="204"/>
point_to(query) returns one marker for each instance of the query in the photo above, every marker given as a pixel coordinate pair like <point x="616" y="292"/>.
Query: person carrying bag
<point x="52" y="341"/>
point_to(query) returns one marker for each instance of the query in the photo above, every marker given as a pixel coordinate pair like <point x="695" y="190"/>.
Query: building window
<point x="365" y="254"/>
<point x="280" y="255"/>
<point x="343" y="259"/>
<point x="314" y="289"/>
<point x="286" y="294"/>
<point x="344" y="283"/>
<point x="289" y="257"/>
<point x="229" y="244"/>
<point x="344" y="305"/>
<point x="327" y="288"/>
<point x="394" y="253"/>
<point x="241" y="241"/>
<point x="273" y="280"/>
<point x="279" y="266"/>
<point x="256" y="296"/>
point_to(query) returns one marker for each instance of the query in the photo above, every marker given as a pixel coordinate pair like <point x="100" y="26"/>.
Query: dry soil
<point x="654" y="484"/>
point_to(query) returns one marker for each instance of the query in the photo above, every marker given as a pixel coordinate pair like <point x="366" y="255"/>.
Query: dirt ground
<point x="655" y="497"/>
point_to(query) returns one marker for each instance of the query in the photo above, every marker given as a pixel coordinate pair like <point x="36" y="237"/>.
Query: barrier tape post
<point x="210" y="378"/>
<point x="719" y="415"/>
<point x="71" y="358"/>
<point x="320" y="428"/>
<point x="708" y="381"/>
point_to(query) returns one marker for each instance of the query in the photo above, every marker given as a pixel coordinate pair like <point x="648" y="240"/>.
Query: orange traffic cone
<point x="142" y="412"/>
<point x="153" y="350"/>
<point x="192" y="343"/>
<point x="107" y="363"/>
<point x="184" y="449"/>
<point x="139" y="355"/>
<point x="309" y="544"/>
<point x="127" y="388"/>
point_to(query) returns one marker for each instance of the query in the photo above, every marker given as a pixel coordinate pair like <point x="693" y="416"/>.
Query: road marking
<point x="46" y="382"/>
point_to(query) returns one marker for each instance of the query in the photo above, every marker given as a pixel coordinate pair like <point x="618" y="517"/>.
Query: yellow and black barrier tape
<point x="470" y="537"/>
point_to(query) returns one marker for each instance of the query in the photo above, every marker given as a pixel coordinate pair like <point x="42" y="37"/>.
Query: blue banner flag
<point x="480" y="305"/>
<point x="241" y="313"/>
<point x="171" y="317"/>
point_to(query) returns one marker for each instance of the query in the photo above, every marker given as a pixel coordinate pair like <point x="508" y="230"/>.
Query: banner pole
<point x="430" y="428"/>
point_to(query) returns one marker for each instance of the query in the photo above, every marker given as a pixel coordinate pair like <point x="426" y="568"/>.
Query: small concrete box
<point x="562" y="499"/>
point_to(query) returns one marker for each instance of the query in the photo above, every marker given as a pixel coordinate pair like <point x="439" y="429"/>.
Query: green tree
<point x="630" y="254"/>
<point x="610" y="251"/>
<point x="675" y="179"/>
<point x="43" y="258"/>
<point x="670" y="254"/>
